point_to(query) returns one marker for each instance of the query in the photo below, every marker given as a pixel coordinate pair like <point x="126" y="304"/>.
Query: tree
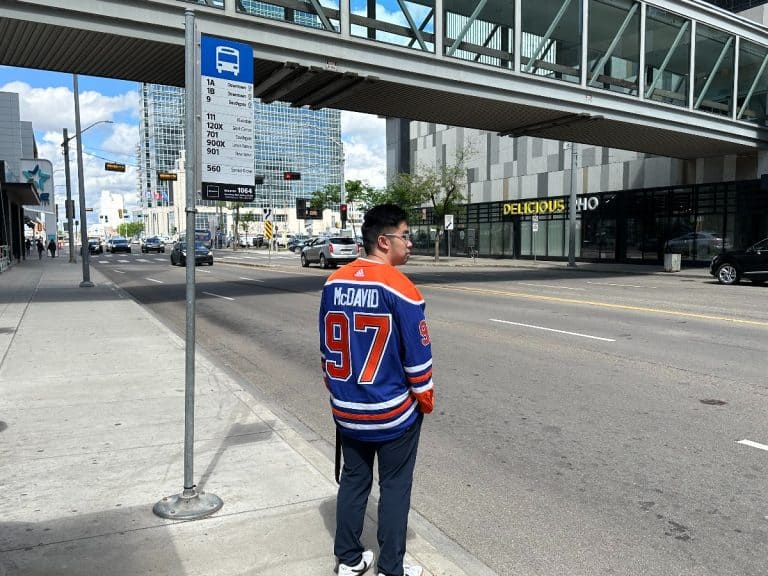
<point x="130" y="229"/>
<point x="245" y="223"/>
<point x="325" y="197"/>
<point x="441" y="186"/>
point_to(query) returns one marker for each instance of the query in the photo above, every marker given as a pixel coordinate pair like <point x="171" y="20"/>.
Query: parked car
<point x="202" y="254"/>
<point x="153" y="244"/>
<point x="296" y="243"/>
<point x="95" y="246"/>
<point x="330" y="251"/>
<point x="119" y="244"/>
<point x="751" y="263"/>
<point x="706" y="243"/>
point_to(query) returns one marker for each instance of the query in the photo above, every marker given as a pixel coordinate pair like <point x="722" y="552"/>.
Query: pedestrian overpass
<point x="675" y="78"/>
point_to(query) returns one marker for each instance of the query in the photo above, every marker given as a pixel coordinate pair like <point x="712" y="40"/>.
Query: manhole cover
<point x="713" y="402"/>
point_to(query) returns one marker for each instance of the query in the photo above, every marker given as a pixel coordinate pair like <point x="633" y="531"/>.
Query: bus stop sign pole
<point x="190" y="504"/>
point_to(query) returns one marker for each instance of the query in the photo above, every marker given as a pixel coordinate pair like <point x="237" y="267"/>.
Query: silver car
<point x="330" y="251"/>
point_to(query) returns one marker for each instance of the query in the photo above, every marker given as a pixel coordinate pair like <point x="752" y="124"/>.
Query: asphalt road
<point x="585" y="424"/>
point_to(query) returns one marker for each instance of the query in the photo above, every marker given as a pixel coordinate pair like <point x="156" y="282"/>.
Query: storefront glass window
<point x="555" y="238"/>
<point x="484" y="245"/>
<point x="525" y="238"/>
<point x="497" y="239"/>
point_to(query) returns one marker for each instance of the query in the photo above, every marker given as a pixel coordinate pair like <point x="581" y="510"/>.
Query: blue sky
<point x="46" y="100"/>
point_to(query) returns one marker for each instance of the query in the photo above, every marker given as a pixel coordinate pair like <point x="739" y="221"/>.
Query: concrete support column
<point x="762" y="163"/>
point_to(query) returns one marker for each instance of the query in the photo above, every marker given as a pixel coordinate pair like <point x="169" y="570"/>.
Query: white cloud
<point x="365" y="154"/>
<point x="53" y="108"/>
<point x="123" y="140"/>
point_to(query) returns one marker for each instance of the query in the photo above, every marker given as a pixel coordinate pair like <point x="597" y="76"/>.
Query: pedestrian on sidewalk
<point x="40" y="249"/>
<point x="28" y="246"/>
<point x="52" y="248"/>
<point x="377" y="363"/>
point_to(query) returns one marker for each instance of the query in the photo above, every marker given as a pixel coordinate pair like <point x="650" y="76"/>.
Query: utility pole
<point x="70" y="205"/>
<point x="572" y="209"/>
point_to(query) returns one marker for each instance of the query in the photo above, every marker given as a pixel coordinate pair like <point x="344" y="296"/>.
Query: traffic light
<point x="301" y="208"/>
<point x="120" y="213"/>
<point x="343" y="210"/>
<point x="291" y="175"/>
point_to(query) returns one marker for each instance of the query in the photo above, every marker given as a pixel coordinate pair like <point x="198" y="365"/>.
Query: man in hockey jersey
<point x="377" y="364"/>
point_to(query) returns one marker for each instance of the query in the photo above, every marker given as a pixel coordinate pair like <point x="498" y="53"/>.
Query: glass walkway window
<point x="753" y="82"/>
<point x="614" y="45"/>
<point x="551" y="38"/>
<point x="480" y="31"/>
<point x="713" y="72"/>
<point x="667" y="56"/>
<point x="312" y="13"/>
<point x="551" y="43"/>
<point x="409" y="24"/>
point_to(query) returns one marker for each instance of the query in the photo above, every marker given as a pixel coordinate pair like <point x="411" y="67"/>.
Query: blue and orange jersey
<point x="375" y="350"/>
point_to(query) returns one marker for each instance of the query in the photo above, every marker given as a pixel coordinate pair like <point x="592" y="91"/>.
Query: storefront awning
<point x="22" y="193"/>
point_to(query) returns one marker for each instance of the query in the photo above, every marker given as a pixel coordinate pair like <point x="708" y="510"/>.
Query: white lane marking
<point x="153" y="280"/>
<point x="219" y="296"/>
<point x="550" y="286"/>
<point x="141" y="260"/>
<point x="619" y="285"/>
<point x="251" y="279"/>
<point x="552" y="330"/>
<point x="103" y="261"/>
<point x="118" y="271"/>
<point x="753" y="444"/>
<point x="124" y="261"/>
<point x="204" y="271"/>
<point x="159" y="259"/>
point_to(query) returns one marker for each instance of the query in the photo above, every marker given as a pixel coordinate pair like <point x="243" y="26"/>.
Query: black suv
<point x="751" y="263"/>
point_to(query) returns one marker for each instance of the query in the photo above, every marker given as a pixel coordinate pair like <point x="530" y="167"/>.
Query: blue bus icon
<point x="227" y="59"/>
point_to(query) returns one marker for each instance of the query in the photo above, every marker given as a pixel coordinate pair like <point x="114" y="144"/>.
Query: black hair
<point x="381" y="219"/>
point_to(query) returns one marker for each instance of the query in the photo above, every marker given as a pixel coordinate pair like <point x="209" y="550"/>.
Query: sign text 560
<point x="212" y="168"/>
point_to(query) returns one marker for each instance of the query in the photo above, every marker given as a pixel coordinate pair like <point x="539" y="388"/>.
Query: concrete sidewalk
<point x="91" y="437"/>
<point x="285" y="257"/>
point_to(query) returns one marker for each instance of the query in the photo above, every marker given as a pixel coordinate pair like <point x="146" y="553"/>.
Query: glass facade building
<point x="286" y="140"/>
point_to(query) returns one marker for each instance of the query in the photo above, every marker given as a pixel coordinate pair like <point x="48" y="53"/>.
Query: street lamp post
<point x="86" y="283"/>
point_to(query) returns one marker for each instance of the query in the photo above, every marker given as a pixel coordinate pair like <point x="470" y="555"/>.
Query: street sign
<point x="535" y="226"/>
<point x="167" y="176"/>
<point x="268" y="230"/>
<point x="449" y="221"/>
<point x="227" y="117"/>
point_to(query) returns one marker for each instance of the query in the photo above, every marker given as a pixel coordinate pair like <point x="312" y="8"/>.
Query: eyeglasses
<point x="404" y="237"/>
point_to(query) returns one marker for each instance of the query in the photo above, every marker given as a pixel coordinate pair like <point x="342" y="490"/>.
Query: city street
<point x="585" y="423"/>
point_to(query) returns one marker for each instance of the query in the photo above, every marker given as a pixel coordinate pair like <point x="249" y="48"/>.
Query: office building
<point x="27" y="201"/>
<point x="286" y="140"/>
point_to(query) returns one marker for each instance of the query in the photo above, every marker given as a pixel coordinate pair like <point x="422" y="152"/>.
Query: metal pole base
<point x="189" y="505"/>
<point x="571" y="264"/>
<point x="86" y="284"/>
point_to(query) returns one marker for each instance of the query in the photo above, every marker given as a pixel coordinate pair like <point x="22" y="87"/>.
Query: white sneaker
<point x="359" y="568"/>
<point x="410" y="570"/>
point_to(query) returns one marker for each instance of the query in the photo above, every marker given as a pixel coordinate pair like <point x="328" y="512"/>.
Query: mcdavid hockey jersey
<point x="375" y="350"/>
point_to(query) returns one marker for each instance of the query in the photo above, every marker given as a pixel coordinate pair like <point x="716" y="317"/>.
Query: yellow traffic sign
<point x="268" y="230"/>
